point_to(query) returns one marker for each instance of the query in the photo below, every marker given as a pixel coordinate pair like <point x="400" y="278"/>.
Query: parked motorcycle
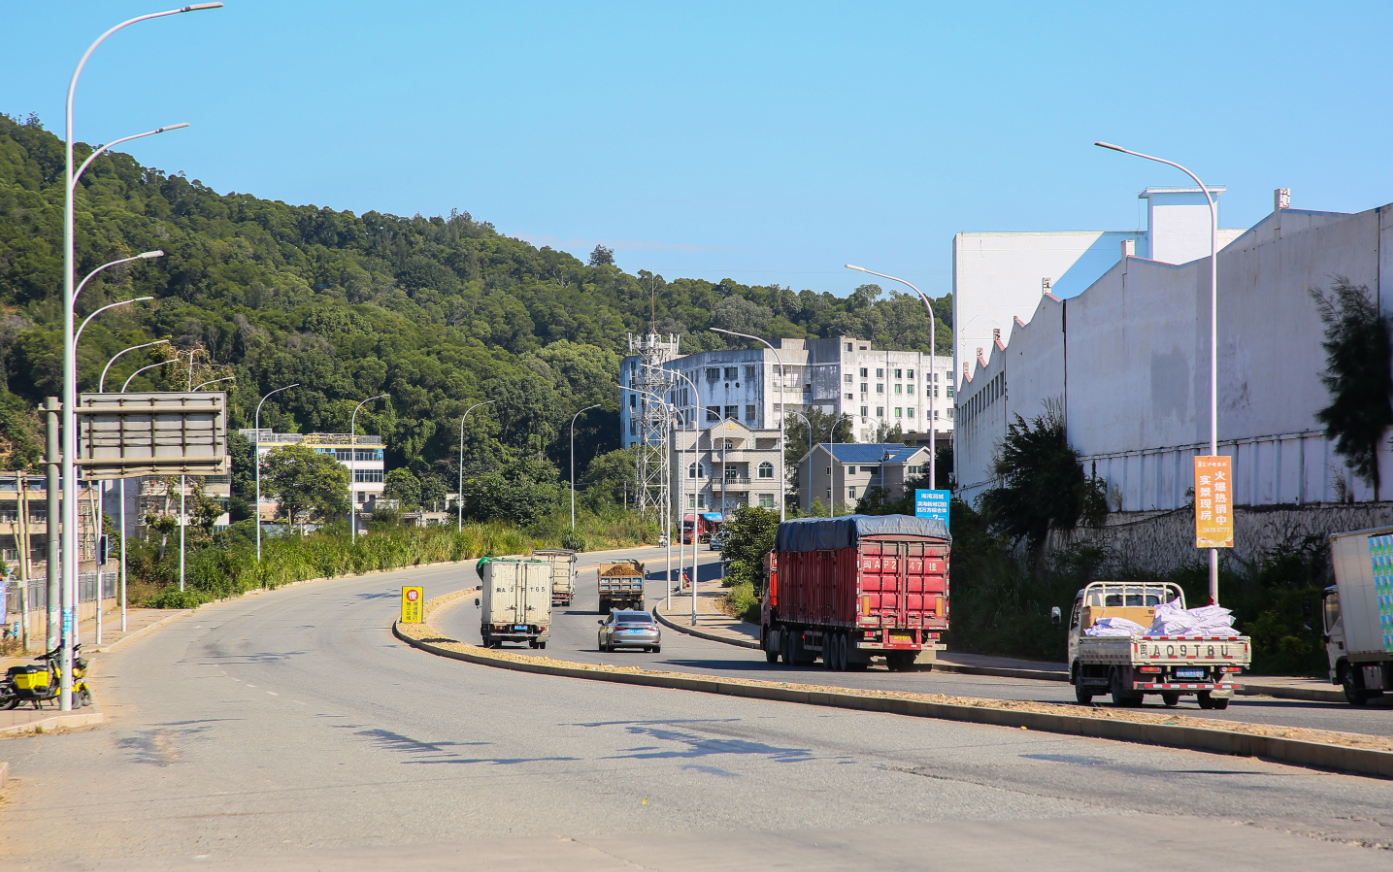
<point x="39" y="684"/>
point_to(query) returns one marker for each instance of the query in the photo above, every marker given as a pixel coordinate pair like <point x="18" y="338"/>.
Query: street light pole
<point x="69" y="454"/>
<point x="1213" y="332"/>
<point x="783" y="379"/>
<point x="101" y="383"/>
<point x="573" y="461"/>
<point x="459" y="501"/>
<point x="933" y="369"/>
<point x="695" y="405"/>
<point x="353" y="467"/>
<point x="256" y="458"/>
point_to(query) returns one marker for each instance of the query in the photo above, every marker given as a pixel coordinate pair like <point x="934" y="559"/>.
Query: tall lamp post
<point x="783" y="379"/>
<point x="573" y="463"/>
<point x="682" y="515"/>
<point x="1213" y="332"/>
<point x="459" y="501"/>
<point x="256" y="458"/>
<point x="933" y="367"/>
<point x="69" y="453"/>
<point x="101" y="388"/>
<point x="353" y="468"/>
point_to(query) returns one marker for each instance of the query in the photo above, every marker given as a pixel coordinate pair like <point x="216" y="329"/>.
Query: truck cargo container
<point x="515" y="596"/>
<point x="1358" y="614"/>
<point x="1130" y="667"/>
<point x="853" y="588"/>
<point x="620" y="585"/>
<point x="563" y="573"/>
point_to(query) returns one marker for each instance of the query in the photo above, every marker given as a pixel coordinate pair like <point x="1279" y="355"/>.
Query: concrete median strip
<point x="1345" y="752"/>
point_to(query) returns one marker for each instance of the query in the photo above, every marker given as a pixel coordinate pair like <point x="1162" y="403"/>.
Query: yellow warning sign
<point x="412" y="605"/>
<point x="1213" y="502"/>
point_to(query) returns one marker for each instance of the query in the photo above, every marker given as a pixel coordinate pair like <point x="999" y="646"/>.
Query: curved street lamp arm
<point x="101" y="384"/>
<point x="143" y="368"/>
<point x="263" y="402"/>
<point x="216" y="380"/>
<point x="115" y="142"/>
<point x="144" y="255"/>
<point x="78" y="335"/>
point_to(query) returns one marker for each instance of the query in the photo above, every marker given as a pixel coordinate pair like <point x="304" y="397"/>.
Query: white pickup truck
<point x="1129" y="667"/>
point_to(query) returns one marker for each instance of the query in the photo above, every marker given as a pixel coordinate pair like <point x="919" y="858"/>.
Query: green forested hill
<point x="438" y="312"/>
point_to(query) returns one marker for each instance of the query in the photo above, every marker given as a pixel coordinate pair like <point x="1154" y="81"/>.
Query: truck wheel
<point x="771" y="653"/>
<point x="841" y="651"/>
<point x="1170" y="699"/>
<point x="542" y="645"/>
<point x="785" y="647"/>
<point x="1348" y="682"/>
<point x="604" y="606"/>
<point x="1205" y="700"/>
<point x="1122" y="697"/>
<point x="899" y="661"/>
<point x="1083" y="694"/>
<point x="828" y="658"/>
<point x="1218" y="703"/>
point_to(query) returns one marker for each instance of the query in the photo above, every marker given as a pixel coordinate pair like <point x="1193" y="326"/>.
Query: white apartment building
<point x="841" y="375"/>
<point x="362" y="456"/>
<point x="725" y="466"/>
<point x="1127" y="364"/>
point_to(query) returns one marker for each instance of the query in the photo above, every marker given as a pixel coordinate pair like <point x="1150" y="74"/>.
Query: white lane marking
<point x="273" y="693"/>
<point x="251" y="685"/>
<point x="301" y="703"/>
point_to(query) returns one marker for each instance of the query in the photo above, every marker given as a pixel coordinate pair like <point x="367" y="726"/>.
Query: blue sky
<point x="767" y="142"/>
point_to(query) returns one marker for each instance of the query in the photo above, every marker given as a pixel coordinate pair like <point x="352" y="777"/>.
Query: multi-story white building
<point x="725" y="466"/>
<point x="878" y="389"/>
<point x="361" y="455"/>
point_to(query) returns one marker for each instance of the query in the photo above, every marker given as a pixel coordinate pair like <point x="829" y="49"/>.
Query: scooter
<point x="39" y="684"/>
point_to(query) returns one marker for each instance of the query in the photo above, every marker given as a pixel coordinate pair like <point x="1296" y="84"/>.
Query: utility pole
<point x="52" y="637"/>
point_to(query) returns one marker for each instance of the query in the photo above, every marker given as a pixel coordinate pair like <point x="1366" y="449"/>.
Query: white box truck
<point x="515" y="596"/>
<point x="1358" y="613"/>
<point x="563" y="573"/>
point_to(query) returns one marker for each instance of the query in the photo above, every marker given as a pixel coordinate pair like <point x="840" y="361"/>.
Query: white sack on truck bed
<point x="1115" y="627"/>
<point x="1172" y="619"/>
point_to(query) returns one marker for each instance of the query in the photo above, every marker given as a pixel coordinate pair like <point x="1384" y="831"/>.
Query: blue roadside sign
<point x="932" y="504"/>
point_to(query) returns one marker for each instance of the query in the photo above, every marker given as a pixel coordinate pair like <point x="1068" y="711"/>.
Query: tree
<point x="749" y="533"/>
<point x="1358" y="353"/>
<point x="1042" y="485"/>
<point x="308" y="486"/>
<point x="433" y="492"/>
<point x="401" y="485"/>
<point x="601" y="256"/>
<point x="242" y="490"/>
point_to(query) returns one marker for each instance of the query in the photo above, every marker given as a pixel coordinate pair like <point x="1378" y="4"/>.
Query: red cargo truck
<point x="853" y="588"/>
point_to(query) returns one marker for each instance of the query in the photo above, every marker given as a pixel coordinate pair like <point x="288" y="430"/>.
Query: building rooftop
<point x="268" y="437"/>
<point x="875" y="452"/>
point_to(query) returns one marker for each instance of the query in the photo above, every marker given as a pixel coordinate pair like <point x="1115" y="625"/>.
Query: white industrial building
<point x="362" y="455"/>
<point x="878" y="389"/>
<point x="1127" y="361"/>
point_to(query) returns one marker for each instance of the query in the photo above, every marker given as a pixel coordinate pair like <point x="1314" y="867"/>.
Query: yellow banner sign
<point x="412" y="605"/>
<point x="1213" y="502"/>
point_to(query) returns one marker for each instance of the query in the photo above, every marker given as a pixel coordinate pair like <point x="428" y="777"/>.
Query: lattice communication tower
<point x="652" y="470"/>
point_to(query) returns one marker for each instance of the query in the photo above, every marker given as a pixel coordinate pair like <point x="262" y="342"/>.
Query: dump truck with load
<point x="563" y="573"/>
<point x="853" y="588"/>
<point x="1130" y="662"/>
<point x="621" y="585"/>
<point x="1358" y="615"/>
<point x="515" y="599"/>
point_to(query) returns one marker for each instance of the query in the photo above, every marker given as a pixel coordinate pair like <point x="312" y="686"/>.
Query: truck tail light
<point x="1148" y="669"/>
<point x="1231" y="669"/>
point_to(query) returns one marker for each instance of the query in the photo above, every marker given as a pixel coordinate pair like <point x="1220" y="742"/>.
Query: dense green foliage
<point x="438" y="313"/>
<point x="1358" y="375"/>
<point x="308" y="486"/>
<point x="1041" y="483"/>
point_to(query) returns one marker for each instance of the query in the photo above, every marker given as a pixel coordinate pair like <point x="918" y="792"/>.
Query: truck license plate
<point x="520" y="628"/>
<point x="901" y="637"/>
<point x="1184" y="672"/>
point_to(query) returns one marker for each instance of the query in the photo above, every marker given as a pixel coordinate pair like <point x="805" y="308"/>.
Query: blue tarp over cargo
<point x="830" y="534"/>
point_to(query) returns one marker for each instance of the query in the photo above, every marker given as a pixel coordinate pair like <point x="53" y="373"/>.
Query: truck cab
<point x="1360" y="681"/>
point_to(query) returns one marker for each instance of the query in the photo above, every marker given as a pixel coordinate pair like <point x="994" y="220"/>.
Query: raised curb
<point x="702" y="634"/>
<point x="1310" y="754"/>
<point x="105" y="649"/>
<point x="67" y="720"/>
<point x="1002" y="671"/>
<point x="1280" y="691"/>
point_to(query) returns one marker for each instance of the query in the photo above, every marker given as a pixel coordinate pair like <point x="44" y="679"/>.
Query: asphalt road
<point x="291" y="731"/>
<point x="573" y="637"/>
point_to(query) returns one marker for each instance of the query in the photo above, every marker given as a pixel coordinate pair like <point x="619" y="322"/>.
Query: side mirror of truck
<point x="1056" y="616"/>
<point x="601" y="623"/>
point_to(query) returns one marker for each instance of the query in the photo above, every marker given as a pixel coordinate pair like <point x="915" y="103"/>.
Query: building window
<point x="865" y="411"/>
<point x="909" y="413"/>
<point x="732" y="411"/>
<point x="899" y="389"/>
<point x="691" y="501"/>
<point x="713" y="413"/>
<point x="807" y="389"/>
<point x="696" y="470"/>
<point x="899" y="373"/>
<point x="950" y="414"/>
<point x="633" y="400"/>
<point x="713" y="373"/>
<point x="766" y="501"/>
<point x="848" y="346"/>
<point x="732" y="472"/>
<point x="749" y="412"/>
<point x="847" y="378"/>
<point x="912" y="469"/>
<point x="863" y="372"/>
<point x="829" y="470"/>
<point x="851" y="493"/>
<point x="633" y="427"/>
<point x="898" y="410"/>
<point x="749" y="371"/>
<point x="880" y="389"/>
<point x="879" y="373"/>
<point x="880" y="411"/>
<point x="950" y="392"/>
<point x="909" y="374"/>
<point x="732" y="372"/>
<point x="367" y="475"/>
<point x="864" y="387"/>
<point x="766" y="470"/>
<point x="850" y="397"/>
<point x="851" y="470"/>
